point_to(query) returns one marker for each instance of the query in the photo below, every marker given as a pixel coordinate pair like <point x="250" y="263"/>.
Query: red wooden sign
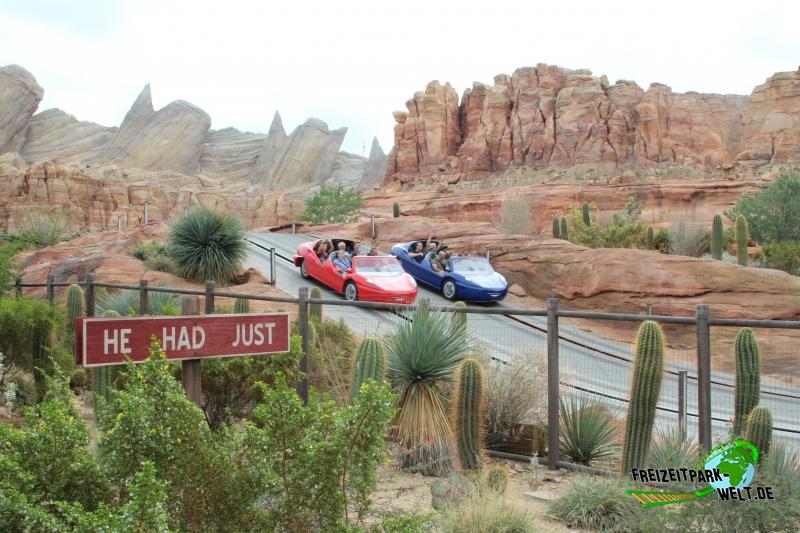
<point x="110" y="341"/>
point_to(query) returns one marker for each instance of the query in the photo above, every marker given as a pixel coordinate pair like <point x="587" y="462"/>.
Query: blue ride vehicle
<point x="468" y="278"/>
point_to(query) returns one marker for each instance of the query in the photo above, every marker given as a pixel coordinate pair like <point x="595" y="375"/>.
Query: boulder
<point x="19" y="97"/>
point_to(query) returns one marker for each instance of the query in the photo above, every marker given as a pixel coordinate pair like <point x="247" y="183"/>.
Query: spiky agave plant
<point x="206" y="245"/>
<point x="126" y="302"/>
<point x="423" y="356"/>
<point x="588" y="432"/>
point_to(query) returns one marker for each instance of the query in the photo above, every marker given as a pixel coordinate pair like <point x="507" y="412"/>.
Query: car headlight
<point x="373" y="283"/>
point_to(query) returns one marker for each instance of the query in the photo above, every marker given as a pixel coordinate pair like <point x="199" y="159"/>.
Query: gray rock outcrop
<point x="230" y="153"/>
<point x="19" y="97"/>
<point x="375" y="170"/>
<point x="348" y="169"/>
<point x="56" y="135"/>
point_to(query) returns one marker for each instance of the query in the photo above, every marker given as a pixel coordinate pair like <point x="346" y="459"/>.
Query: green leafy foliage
<point x="126" y="303"/>
<point x="8" y="269"/>
<point x="782" y="256"/>
<point x="773" y="212"/>
<point x="206" y="245"/>
<point x="423" y="355"/>
<point x="332" y="347"/>
<point x="155" y="256"/>
<point x="42" y="227"/>
<point x="333" y="205"/>
<point x="596" y="504"/>
<point x="588" y="432"/>
<point x="20" y="320"/>
<point x="625" y="233"/>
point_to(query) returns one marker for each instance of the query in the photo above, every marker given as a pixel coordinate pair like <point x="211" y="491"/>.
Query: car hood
<point x="487" y="281"/>
<point x="401" y="282"/>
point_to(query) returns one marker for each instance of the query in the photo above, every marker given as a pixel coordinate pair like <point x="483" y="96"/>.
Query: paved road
<point x="581" y="367"/>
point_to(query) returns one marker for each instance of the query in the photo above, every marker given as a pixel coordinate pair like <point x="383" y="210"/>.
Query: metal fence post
<point x="302" y="328"/>
<point x="50" y="289"/>
<point x="293" y="228"/>
<point x="143" y="303"/>
<point x="372" y="225"/>
<point x="89" y="294"/>
<point x="146" y="213"/>
<point x="553" y="380"/>
<point x="18" y="287"/>
<point x="649" y="309"/>
<point x="190" y="369"/>
<point x="119" y="223"/>
<point x="682" y="380"/>
<point x="210" y="286"/>
<point x="703" y="377"/>
<point x="272" y="269"/>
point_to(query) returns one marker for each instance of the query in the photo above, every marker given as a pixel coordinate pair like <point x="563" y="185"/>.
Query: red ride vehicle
<point x="378" y="278"/>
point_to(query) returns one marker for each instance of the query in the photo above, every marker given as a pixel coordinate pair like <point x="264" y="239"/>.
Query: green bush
<point x="42" y="228"/>
<point x="8" y="269"/>
<point x="19" y="319"/>
<point x="333" y="205"/>
<point x="773" y="213"/>
<point x="486" y="513"/>
<point x="597" y="504"/>
<point x="588" y="432"/>
<point x="404" y="523"/>
<point x="782" y="256"/>
<point x="626" y="233"/>
<point x="155" y="256"/>
<point x="206" y="245"/>
<point x="126" y="303"/>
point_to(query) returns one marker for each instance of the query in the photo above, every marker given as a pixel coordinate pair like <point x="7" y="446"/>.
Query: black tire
<point x="350" y="291"/>
<point x="449" y="289"/>
<point x="304" y="270"/>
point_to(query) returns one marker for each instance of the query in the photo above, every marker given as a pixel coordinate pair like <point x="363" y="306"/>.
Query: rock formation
<point x="375" y="170"/>
<point x="547" y="116"/>
<point x="58" y="136"/>
<point x="19" y="97"/>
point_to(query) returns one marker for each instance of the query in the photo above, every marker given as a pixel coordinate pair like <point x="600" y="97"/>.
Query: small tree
<point x="773" y="213"/>
<point x="333" y="205"/>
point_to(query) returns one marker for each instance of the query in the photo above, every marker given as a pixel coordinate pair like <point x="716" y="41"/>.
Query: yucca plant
<point x="587" y="431"/>
<point x="423" y="355"/>
<point x="672" y="450"/>
<point x="126" y="303"/>
<point x="206" y="245"/>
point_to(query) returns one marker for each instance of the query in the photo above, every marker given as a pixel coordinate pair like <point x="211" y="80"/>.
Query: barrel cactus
<point x="742" y="234"/>
<point x="396" y="210"/>
<point x="460" y="319"/>
<point x="370" y="363"/>
<point x="75" y="305"/>
<point x="645" y="389"/>
<point x="759" y="429"/>
<point x="748" y="380"/>
<point x="241" y="306"/>
<point x="650" y="238"/>
<point x="716" y="238"/>
<point x="316" y="309"/>
<point x="587" y="219"/>
<point x="79" y="379"/>
<point x="111" y="313"/>
<point x="564" y="233"/>
<point x="469" y="405"/>
<point x="556" y="228"/>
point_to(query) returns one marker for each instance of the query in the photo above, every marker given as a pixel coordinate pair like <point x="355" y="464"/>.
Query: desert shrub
<point x="24" y="386"/>
<point x="516" y="394"/>
<point x="8" y="269"/>
<point x="206" y="245"/>
<point x="42" y="228"/>
<point x="661" y="241"/>
<point x="782" y="256"/>
<point x="154" y="255"/>
<point x="19" y="319"/>
<point x="320" y="460"/>
<point x="687" y="239"/>
<point x="773" y="212"/>
<point x="404" y="523"/>
<point x="670" y="450"/>
<point x="588" y="432"/>
<point x="626" y="232"/>
<point x="126" y="303"/>
<point x="515" y="216"/>
<point x="486" y="513"/>
<point x="333" y="205"/>
<point x="726" y="258"/>
<point x="229" y="384"/>
<point x="597" y="504"/>
<point x="331" y="356"/>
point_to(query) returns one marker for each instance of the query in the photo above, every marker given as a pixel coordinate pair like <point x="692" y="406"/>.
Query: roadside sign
<point x="110" y="341"/>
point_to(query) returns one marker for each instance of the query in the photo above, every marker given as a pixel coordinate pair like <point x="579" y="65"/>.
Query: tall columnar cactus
<point x="241" y="306"/>
<point x="103" y="381"/>
<point x="564" y="233"/>
<point x="556" y="228"/>
<point x="742" y="235"/>
<point x="587" y="219"/>
<point x="312" y="333"/>
<point x="315" y="309"/>
<point x="748" y="379"/>
<point x="39" y="356"/>
<point x="650" y="238"/>
<point x="469" y="407"/>
<point x="75" y="305"/>
<point x="460" y="319"/>
<point x="716" y="238"/>
<point x="645" y="388"/>
<point x="370" y="363"/>
<point x="396" y="210"/>
<point x="759" y="429"/>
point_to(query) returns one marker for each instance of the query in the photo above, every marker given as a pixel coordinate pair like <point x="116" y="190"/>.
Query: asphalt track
<point x="587" y="363"/>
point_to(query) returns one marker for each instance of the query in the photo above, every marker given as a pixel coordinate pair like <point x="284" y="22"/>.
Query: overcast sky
<point x="352" y="63"/>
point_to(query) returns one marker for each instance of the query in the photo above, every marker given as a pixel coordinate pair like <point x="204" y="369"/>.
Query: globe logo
<point x="736" y="462"/>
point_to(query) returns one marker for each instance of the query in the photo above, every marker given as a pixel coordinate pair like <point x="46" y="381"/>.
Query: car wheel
<point x="304" y="270"/>
<point x="449" y="290"/>
<point x="350" y="291"/>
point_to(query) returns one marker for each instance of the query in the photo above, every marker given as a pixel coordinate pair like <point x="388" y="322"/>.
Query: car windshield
<point x="471" y="265"/>
<point x="378" y="266"/>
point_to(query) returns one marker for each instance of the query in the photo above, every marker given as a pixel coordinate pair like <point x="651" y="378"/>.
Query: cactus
<point x="741" y="240"/>
<point x="78" y="380"/>
<point x="716" y="238"/>
<point x="396" y="210"/>
<point x="316" y="309"/>
<point x="450" y="491"/>
<point x="650" y="238"/>
<point x="110" y="313"/>
<point x="74" y="305"/>
<point x="748" y="380"/>
<point x="39" y="356"/>
<point x="312" y="333"/>
<point x="585" y="212"/>
<point x="497" y="479"/>
<point x="564" y="233"/>
<point x="241" y="306"/>
<point x="370" y="363"/>
<point x="103" y="381"/>
<point x="459" y="320"/>
<point x="645" y="388"/>
<point x="556" y="228"/>
<point x="469" y="405"/>
<point x="759" y="430"/>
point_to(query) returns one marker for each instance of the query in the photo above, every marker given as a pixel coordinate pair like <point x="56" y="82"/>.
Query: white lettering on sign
<point x="118" y="340"/>
<point x="247" y="334"/>
<point x="180" y="340"/>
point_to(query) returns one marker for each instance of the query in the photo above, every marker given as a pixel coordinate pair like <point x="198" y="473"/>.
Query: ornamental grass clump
<point x="206" y="245"/>
<point x="588" y="432"/>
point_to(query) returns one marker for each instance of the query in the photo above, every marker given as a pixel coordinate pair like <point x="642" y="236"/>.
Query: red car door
<point x="331" y="277"/>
